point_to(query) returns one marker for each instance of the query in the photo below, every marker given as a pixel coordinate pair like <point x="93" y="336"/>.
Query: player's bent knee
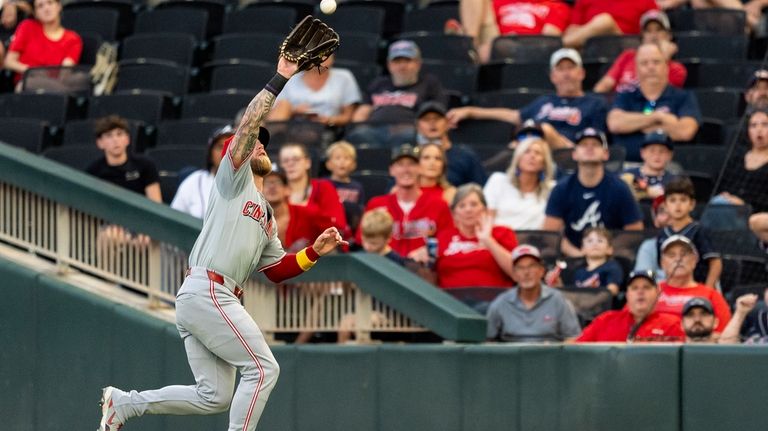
<point x="218" y="401"/>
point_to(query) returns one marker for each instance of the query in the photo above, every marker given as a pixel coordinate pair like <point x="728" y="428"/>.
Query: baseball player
<point x="239" y="235"/>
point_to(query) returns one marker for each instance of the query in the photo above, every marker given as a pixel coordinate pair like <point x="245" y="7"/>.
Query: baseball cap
<point x="405" y="150"/>
<point x="657" y="137"/>
<point x="263" y="137"/>
<point x="759" y="75"/>
<point x="525" y="250"/>
<point x="431" y="106"/>
<point x="681" y="239"/>
<point x="700" y="302"/>
<point x="591" y="132"/>
<point x="405" y="49"/>
<point x="565" y="53"/>
<point x="529" y="129"/>
<point x="642" y="273"/>
<point x="655" y="15"/>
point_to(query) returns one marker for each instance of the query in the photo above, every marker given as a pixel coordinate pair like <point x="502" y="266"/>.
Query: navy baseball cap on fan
<point x="644" y="273"/>
<point x="403" y="151"/>
<point x="529" y="129"/>
<point x="657" y="137"/>
<point x="263" y="137"/>
<point x="759" y="75"/>
<point x="525" y="250"/>
<point x="431" y="106"/>
<point x="699" y="302"/>
<point x="403" y="49"/>
<point x="591" y="132"/>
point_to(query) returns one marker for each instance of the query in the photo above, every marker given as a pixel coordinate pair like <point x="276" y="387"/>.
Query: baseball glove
<point x="309" y="43"/>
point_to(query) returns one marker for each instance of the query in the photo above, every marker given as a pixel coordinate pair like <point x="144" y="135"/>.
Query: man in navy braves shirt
<point x="590" y="197"/>
<point x="561" y="115"/>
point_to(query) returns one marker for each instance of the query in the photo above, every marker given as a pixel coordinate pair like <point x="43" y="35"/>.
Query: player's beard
<point x="261" y="165"/>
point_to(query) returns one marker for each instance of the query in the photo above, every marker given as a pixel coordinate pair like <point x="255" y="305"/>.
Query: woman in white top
<point x="327" y="95"/>
<point x="517" y="198"/>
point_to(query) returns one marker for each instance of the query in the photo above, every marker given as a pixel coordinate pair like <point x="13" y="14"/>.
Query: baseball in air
<point x="328" y="6"/>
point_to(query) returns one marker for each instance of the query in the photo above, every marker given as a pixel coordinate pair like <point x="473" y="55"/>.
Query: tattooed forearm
<point x="248" y="131"/>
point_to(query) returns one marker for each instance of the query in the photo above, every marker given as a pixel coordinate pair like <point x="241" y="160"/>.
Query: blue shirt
<point x="608" y="204"/>
<point x="673" y="100"/>
<point x="608" y="273"/>
<point x="568" y="115"/>
<point x="464" y="166"/>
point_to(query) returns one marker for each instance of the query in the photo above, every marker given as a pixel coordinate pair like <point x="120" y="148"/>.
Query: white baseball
<point x="328" y="6"/>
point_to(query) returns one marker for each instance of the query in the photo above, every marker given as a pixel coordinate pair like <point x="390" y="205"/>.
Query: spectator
<point x="483" y="20"/>
<point x="42" y="41"/>
<point x="532" y="312"/>
<point x="475" y="252"/>
<point x="699" y="321"/>
<point x="297" y="226"/>
<point x="341" y="162"/>
<point x="750" y="321"/>
<point x="463" y="165"/>
<point x="417" y="215"/>
<point x="118" y="166"/>
<point x="648" y="180"/>
<point x="745" y="178"/>
<point x="306" y="191"/>
<point x="756" y="94"/>
<point x="11" y="13"/>
<point x="638" y="321"/>
<point x="518" y="197"/>
<point x="432" y="168"/>
<point x="647" y="256"/>
<point x="327" y="95"/>
<point x="600" y="270"/>
<point x="395" y="98"/>
<point x="622" y="77"/>
<point x="561" y="115"/>
<point x="653" y="105"/>
<point x="680" y="201"/>
<point x="192" y="195"/>
<point x="590" y="197"/>
<point x="376" y="232"/>
<point x="678" y="259"/>
<point x="592" y="18"/>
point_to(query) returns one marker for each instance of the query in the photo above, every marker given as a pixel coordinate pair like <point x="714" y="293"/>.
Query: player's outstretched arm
<point x="292" y="265"/>
<point x="328" y="241"/>
<point x="247" y="133"/>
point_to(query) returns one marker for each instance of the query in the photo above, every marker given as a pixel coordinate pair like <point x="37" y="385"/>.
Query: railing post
<point x="363" y="311"/>
<point x="63" y="238"/>
<point x="154" y="278"/>
<point x="260" y="301"/>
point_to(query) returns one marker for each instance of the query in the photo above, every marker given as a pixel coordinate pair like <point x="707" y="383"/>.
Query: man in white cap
<point x="533" y="311"/>
<point x="561" y="115"/>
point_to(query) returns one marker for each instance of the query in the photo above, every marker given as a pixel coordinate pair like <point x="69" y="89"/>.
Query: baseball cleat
<point x="109" y="421"/>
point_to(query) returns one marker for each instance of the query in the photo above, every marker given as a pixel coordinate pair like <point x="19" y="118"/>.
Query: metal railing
<point x="75" y="239"/>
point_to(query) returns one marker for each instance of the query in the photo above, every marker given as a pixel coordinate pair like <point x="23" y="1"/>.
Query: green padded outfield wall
<point x="61" y="344"/>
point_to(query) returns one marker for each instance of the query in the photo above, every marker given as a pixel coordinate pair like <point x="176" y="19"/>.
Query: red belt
<point x="219" y="279"/>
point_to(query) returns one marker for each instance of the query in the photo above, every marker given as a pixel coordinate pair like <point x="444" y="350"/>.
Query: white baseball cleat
<point x="109" y="421"/>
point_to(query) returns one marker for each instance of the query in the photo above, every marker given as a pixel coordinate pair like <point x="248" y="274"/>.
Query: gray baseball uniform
<point x="239" y="235"/>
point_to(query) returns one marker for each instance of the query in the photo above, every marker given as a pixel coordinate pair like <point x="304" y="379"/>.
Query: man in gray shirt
<point x="532" y="312"/>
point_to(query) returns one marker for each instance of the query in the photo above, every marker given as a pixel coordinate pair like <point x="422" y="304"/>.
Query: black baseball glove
<point x="310" y="43"/>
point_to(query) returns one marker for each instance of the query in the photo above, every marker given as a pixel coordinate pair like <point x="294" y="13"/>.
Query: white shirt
<point x="340" y="90"/>
<point x="518" y="211"/>
<point x="194" y="193"/>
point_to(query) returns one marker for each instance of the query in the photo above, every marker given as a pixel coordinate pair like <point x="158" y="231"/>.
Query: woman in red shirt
<point x="432" y="167"/>
<point x="474" y="253"/>
<point x="43" y="41"/>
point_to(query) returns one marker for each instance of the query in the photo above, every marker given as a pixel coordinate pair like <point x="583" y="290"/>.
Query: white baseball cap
<point x="563" y="54"/>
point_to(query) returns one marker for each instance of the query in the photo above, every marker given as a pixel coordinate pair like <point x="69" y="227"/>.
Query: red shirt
<point x="623" y="71"/>
<point x="326" y="202"/>
<point x="463" y="262"/>
<point x="35" y="49"/>
<point x="529" y="17"/>
<point x="626" y="13"/>
<point x="429" y="216"/>
<point x="304" y="226"/>
<point x="672" y="299"/>
<point x="615" y="325"/>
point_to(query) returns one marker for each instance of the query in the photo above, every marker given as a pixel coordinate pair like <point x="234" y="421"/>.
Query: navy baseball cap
<point x="642" y="273"/>
<point x="657" y="137"/>
<point x="759" y="75"/>
<point x="403" y="49"/>
<point x="403" y="151"/>
<point x="431" y="106"/>
<point x="699" y="302"/>
<point x="263" y="137"/>
<point x="529" y="129"/>
<point x="591" y="132"/>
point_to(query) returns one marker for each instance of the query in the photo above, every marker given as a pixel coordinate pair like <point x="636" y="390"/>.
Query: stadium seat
<point x="608" y="48"/>
<point x="56" y="109"/>
<point x="721" y="104"/>
<point x="740" y="270"/>
<point x="82" y="133"/>
<point x="359" y="47"/>
<point x="216" y="104"/>
<point x="193" y="22"/>
<point x="711" y="132"/>
<point x="309" y="133"/>
<point x="707" y="159"/>
<point x="247" y="46"/>
<point x="169" y="184"/>
<point x="510" y="76"/>
<point x="725" y="216"/>
<point x="564" y="161"/>
<point x="616" y="157"/>
<point x="91" y="44"/>
<point x="380" y="134"/>
<point x="356" y="18"/>
<point x="126" y="10"/>
<point x="188" y="132"/>
<point x="703" y="184"/>
<point x="301" y="8"/>
<point x="100" y="20"/>
<point x="626" y="242"/>
<point x="444" y="47"/>
<point x="373" y="159"/>
<point x="174" y="158"/>
<point x="719" y="21"/>
<point x="716" y="47"/>
<point x="430" y="19"/>
<point x="75" y="156"/>
<point x="364" y="73"/>
<point x="548" y="242"/>
<point x="735" y="242"/>
<point x="394" y="11"/>
<point x="177" y="48"/>
<point x="513" y="99"/>
<point x="167" y="77"/>
<point x="524" y="49"/>
<point x="149" y="108"/>
<point x="260" y="20"/>
<point x="457" y="77"/>
<point x="483" y="132"/>
<point x="374" y="184"/>
<point x="712" y="74"/>
<point x="237" y="74"/>
<point x="25" y="133"/>
<point x="67" y="80"/>
<point x="476" y="297"/>
<point x="214" y="9"/>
